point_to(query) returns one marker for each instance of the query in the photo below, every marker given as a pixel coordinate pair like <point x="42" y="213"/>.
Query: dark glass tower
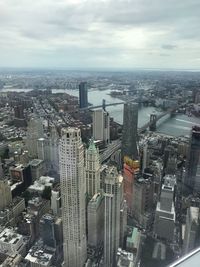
<point x="129" y="134"/>
<point x="193" y="175"/>
<point x="47" y="230"/>
<point x="83" y="95"/>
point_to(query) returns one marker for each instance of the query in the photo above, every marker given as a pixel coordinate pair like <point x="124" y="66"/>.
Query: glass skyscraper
<point x="83" y="95"/>
<point x="129" y="134"/>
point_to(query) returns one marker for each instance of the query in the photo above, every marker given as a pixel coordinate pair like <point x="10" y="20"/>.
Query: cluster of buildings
<point x="63" y="204"/>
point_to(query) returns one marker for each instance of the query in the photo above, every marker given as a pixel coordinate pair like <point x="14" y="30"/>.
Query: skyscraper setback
<point x="129" y="134"/>
<point x="83" y="95"/>
<point x="72" y="178"/>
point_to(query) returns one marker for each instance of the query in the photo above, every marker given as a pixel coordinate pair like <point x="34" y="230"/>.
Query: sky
<point x="84" y="34"/>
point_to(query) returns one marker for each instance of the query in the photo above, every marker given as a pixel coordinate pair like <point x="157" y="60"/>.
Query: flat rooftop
<point x="36" y="162"/>
<point x="9" y="236"/>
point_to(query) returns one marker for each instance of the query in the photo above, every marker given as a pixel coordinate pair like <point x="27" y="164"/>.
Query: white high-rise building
<point x="101" y="125"/>
<point x="34" y="132"/>
<point x="113" y="190"/>
<point x="55" y="201"/>
<point x="165" y="215"/>
<point x="92" y="170"/>
<point x="73" y="190"/>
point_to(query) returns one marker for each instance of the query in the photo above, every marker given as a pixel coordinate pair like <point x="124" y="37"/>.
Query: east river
<point x="180" y="125"/>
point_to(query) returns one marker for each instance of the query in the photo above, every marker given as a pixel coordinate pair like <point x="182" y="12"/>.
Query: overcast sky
<point x="100" y="34"/>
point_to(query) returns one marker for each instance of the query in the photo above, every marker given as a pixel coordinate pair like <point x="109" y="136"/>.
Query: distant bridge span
<point x="108" y="105"/>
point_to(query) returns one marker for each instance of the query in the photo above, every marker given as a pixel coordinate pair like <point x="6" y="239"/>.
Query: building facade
<point x="83" y="95"/>
<point x="129" y="133"/>
<point x="92" y="167"/>
<point x="101" y="125"/>
<point x="95" y="214"/>
<point x="34" y="132"/>
<point x="113" y="190"/>
<point x="191" y="229"/>
<point x="73" y="190"/>
<point x="193" y="175"/>
<point x="5" y="194"/>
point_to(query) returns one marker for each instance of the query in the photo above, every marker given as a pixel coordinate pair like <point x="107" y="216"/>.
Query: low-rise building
<point x="37" y="168"/>
<point x="40" y="184"/>
<point x="124" y="259"/>
<point x="38" y="256"/>
<point x="12" y="242"/>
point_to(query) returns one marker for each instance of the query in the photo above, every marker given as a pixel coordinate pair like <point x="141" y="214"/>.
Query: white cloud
<point x="100" y="33"/>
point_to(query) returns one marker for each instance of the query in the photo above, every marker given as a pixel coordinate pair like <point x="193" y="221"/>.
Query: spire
<point x="92" y="146"/>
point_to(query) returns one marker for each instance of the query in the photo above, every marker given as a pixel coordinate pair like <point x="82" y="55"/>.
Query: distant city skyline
<point x="104" y="34"/>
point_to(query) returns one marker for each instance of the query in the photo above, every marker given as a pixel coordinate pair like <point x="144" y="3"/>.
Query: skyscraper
<point x="72" y="179"/>
<point x="129" y="134"/>
<point x="55" y="200"/>
<point x="165" y="215"/>
<point x="83" y="95"/>
<point x="5" y="190"/>
<point x="5" y="194"/>
<point x="34" y="132"/>
<point x="54" y="148"/>
<point x="191" y="229"/>
<point x="92" y="170"/>
<point x="113" y="191"/>
<point x="1" y="170"/>
<point x="47" y="230"/>
<point x="193" y="175"/>
<point x="101" y="125"/>
<point x="95" y="216"/>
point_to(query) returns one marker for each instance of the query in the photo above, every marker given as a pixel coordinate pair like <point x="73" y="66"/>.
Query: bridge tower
<point x="104" y="104"/>
<point x="152" y="125"/>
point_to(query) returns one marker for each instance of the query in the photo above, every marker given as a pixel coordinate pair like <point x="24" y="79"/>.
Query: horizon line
<point x="100" y="69"/>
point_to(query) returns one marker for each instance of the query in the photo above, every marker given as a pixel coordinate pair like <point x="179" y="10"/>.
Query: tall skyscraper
<point x="5" y="190"/>
<point x="1" y="170"/>
<point x="165" y="212"/>
<point x="92" y="170"/>
<point x="47" y="230"/>
<point x="101" y="125"/>
<point x="145" y="158"/>
<point x="34" y="132"/>
<point x="55" y="200"/>
<point x="193" y="175"/>
<point x="129" y="134"/>
<point x="5" y="194"/>
<point x="83" y="95"/>
<point x="73" y="190"/>
<point x="113" y="190"/>
<point x="95" y="216"/>
<point x="54" y="148"/>
<point x="191" y="229"/>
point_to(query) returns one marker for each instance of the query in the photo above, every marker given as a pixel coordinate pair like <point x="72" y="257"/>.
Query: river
<point x="180" y="125"/>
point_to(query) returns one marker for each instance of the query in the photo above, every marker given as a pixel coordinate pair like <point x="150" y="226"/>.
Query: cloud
<point x="164" y="55"/>
<point x="169" y="47"/>
<point x="98" y="33"/>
